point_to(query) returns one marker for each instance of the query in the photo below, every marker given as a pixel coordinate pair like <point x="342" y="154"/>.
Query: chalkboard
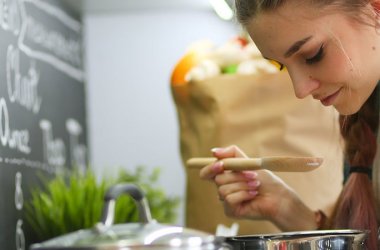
<point x="42" y="104"/>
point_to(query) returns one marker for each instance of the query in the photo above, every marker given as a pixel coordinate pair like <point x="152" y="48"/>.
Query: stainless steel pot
<point x="305" y="240"/>
<point x="145" y="235"/>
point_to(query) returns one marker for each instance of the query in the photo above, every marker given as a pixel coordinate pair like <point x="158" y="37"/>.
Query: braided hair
<point x="356" y="206"/>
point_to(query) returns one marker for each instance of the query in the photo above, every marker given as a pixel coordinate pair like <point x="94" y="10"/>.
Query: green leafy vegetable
<point x="74" y="201"/>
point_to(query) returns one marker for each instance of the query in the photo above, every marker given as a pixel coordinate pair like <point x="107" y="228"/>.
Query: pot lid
<point x="106" y="236"/>
<point x="129" y="235"/>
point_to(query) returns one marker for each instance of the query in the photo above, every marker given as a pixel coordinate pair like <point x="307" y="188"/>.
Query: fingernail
<point x="253" y="193"/>
<point x="255" y="183"/>
<point x="215" y="150"/>
<point x="217" y="167"/>
<point x="250" y="175"/>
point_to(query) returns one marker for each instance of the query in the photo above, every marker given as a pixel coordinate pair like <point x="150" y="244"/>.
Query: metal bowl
<point x="303" y="240"/>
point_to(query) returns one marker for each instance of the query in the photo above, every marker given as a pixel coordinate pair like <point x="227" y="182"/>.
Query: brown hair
<point x="355" y="208"/>
<point x="248" y="9"/>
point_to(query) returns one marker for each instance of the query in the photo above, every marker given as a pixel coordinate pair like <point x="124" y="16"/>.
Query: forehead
<point x="275" y="31"/>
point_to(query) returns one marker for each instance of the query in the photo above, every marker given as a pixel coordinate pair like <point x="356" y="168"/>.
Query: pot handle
<point x="125" y="188"/>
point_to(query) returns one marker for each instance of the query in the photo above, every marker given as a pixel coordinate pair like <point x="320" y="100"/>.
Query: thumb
<point x="232" y="151"/>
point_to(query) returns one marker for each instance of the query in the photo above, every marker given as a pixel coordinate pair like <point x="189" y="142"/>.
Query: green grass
<point x="75" y="201"/>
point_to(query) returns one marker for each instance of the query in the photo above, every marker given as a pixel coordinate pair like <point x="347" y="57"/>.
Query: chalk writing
<point x="78" y="151"/>
<point x="19" y="198"/>
<point x="54" y="149"/>
<point x="10" y="16"/>
<point x="14" y="139"/>
<point x="19" y="202"/>
<point x="65" y="48"/>
<point x="28" y="163"/>
<point x="20" y="237"/>
<point x="45" y="44"/>
<point x="22" y="89"/>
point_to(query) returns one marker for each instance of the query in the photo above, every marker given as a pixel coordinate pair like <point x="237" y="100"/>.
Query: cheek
<point x="338" y="67"/>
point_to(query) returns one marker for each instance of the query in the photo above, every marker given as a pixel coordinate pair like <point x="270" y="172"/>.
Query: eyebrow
<point x="296" y="46"/>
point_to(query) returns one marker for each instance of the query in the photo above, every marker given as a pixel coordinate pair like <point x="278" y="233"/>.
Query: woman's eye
<point x="317" y="57"/>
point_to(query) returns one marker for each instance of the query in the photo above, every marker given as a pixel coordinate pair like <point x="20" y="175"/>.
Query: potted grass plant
<point x="74" y="201"/>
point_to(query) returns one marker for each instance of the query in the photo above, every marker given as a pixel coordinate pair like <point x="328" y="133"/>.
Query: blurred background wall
<point x="131" y="48"/>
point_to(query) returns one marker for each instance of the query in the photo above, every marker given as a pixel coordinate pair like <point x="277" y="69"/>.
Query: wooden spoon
<point x="276" y="163"/>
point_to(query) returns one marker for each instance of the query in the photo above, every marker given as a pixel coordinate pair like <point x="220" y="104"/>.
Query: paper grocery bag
<point x="261" y="115"/>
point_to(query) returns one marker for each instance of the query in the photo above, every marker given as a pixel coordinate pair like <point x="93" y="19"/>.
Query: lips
<point x="329" y="100"/>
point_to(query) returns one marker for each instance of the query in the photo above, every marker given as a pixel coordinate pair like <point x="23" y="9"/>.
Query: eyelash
<point x="318" y="57"/>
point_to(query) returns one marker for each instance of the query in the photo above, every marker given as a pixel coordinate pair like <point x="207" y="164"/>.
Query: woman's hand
<point x="257" y="194"/>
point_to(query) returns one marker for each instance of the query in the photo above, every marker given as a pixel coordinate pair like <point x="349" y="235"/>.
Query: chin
<point x="347" y="110"/>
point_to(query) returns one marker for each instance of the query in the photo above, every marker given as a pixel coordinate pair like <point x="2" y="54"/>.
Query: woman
<point x="331" y="49"/>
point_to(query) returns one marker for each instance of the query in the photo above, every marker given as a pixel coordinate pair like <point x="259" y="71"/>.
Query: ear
<point x="376" y="6"/>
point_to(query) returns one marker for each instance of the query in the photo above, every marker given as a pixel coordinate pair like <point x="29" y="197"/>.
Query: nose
<point x="303" y="83"/>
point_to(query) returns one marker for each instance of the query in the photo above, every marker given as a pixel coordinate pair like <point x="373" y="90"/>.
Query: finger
<point x="210" y="171"/>
<point x="228" y="189"/>
<point x="237" y="198"/>
<point x="231" y="177"/>
<point x="228" y="152"/>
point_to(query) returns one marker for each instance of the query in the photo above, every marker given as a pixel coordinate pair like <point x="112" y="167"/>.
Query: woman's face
<point x="328" y="55"/>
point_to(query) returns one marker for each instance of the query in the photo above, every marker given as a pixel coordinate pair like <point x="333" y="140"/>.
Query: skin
<point x="243" y="196"/>
<point x="348" y="71"/>
<point x="343" y="75"/>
